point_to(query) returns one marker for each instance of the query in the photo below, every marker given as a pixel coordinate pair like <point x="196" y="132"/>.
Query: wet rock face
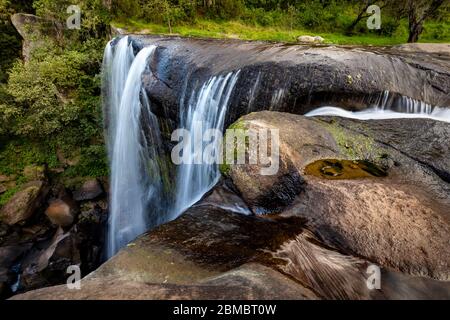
<point x="32" y="28"/>
<point x="289" y="78"/>
<point x="61" y="213"/>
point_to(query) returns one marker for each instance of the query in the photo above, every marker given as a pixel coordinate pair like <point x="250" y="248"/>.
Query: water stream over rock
<point x="132" y="188"/>
<point x="153" y="86"/>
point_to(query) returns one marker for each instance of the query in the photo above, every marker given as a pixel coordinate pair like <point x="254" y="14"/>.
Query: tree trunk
<point x="357" y="20"/>
<point x="170" y="24"/>
<point x="415" y="30"/>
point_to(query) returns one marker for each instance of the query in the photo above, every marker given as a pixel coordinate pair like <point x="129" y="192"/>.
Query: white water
<point x="131" y="189"/>
<point x="439" y="114"/>
<point x="405" y="107"/>
<point x="138" y="200"/>
<point x="206" y="110"/>
<point x="116" y="65"/>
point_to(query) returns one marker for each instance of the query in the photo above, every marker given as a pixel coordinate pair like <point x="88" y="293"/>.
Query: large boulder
<point x="24" y="203"/>
<point x="213" y="253"/>
<point x="62" y="212"/>
<point x="90" y="190"/>
<point x="290" y="78"/>
<point x="399" y="221"/>
<point x="301" y="141"/>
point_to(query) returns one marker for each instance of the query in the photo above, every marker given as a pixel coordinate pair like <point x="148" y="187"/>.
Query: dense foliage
<point x="50" y="106"/>
<point x="342" y="16"/>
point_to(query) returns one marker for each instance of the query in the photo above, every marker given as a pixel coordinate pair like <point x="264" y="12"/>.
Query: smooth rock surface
<point x="90" y="190"/>
<point x="400" y="221"/>
<point x="212" y="253"/>
<point x="62" y="212"/>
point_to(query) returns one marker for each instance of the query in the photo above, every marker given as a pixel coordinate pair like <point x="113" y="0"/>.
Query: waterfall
<point x="206" y="110"/>
<point x="138" y="198"/>
<point x="389" y="107"/>
<point x="132" y="164"/>
<point x="116" y="64"/>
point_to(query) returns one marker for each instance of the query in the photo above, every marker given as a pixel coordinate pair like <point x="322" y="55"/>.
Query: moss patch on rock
<point x="239" y="127"/>
<point x="354" y="146"/>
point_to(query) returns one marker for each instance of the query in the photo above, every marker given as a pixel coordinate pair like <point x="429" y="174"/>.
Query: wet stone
<point x="344" y="169"/>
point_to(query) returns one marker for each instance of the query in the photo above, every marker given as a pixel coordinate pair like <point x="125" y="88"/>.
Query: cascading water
<point x="206" y="110"/>
<point x="388" y="108"/>
<point x="132" y="164"/>
<point x="116" y="65"/>
<point x="138" y="199"/>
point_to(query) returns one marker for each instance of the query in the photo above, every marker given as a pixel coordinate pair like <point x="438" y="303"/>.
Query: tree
<point x="417" y="12"/>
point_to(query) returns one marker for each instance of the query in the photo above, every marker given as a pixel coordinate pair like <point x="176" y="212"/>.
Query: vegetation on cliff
<point x="50" y="106"/>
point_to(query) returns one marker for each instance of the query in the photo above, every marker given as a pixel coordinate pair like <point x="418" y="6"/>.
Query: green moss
<point x="355" y="146"/>
<point x="5" y="197"/>
<point x="241" y="134"/>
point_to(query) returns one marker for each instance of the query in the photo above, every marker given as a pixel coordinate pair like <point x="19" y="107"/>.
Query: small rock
<point x="2" y="189"/>
<point x="61" y="212"/>
<point x="310" y="39"/>
<point x="23" y="204"/>
<point x="48" y="265"/>
<point x="4" y="178"/>
<point x="34" y="172"/>
<point x="90" y="190"/>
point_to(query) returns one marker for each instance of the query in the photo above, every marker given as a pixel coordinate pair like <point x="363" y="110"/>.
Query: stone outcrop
<point x="400" y="221"/>
<point x="213" y="253"/>
<point x="290" y="78"/>
<point x="24" y="203"/>
<point x="33" y="30"/>
<point x="383" y="202"/>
